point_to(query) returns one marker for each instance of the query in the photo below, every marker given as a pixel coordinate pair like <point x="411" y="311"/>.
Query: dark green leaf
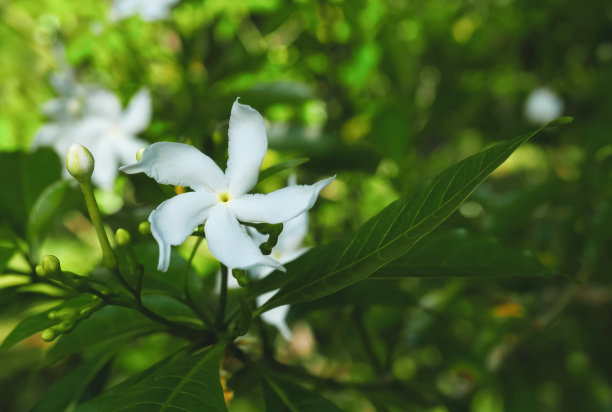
<point x="458" y="253"/>
<point x="289" y="164"/>
<point x="26" y="175"/>
<point x="392" y="232"/>
<point x="40" y="322"/>
<point x="187" y="382"/>
<point x="281" y="395"/>
<point x="44" y="210"/>
<point x="68" y="389"/>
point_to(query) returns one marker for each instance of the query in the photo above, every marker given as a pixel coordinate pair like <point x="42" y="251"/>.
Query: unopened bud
<point x="144" y="228"/>
<point x="122" y="237"/>
<point x="139" y="153"/>
<point x="51" y="264"/>
<point x="39" y="270"/>
<point x="48" y="334"/>
<point x="79" y="162"/>
<point x="241" y="276"/>
<point x="52" y="315"/>
<point x="65" y="326"/>
<point x="66" y="313"/>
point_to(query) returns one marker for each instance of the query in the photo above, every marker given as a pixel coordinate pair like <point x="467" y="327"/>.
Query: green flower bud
<point x="49" y="334"/>
<point x="122" y="237"/>
<point x="52" y="315"/>
<point x="139" y="153"/>
<point x="65" y="326"/>
<point x="51" y="264"/>
<point x="144" y="228"/>
<point x="79" y="162"/>
<point x="66" y="313"/>
<point x="241" y="276"/>
<point x="39" y="270"/>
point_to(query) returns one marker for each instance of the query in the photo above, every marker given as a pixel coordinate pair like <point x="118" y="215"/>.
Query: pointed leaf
<point x="44" y="210"/>
<point x="188" y="382"/>
<point x="394" y="231"/>
<point x="283" y="396"/>
<point x="458" y="253"/>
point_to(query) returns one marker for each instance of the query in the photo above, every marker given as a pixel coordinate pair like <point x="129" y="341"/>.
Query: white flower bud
<point x="79" y="162"/>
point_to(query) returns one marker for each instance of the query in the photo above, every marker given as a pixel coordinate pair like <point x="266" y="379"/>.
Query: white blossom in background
<point x="219" y="199"/>
<point x="93" y="117"/>
<point x="288" y="248"/>
<point x="543" y="106"/>
<point x="149" y="10"/>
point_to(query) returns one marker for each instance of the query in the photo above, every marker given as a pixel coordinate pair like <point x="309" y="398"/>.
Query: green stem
<point x="220" y="318"/>
<point x="108" y="256"/>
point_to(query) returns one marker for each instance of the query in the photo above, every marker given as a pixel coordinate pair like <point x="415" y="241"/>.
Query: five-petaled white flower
<point x="101" y="125"/>
<point x="149" y="10"/>
<point x="220" y="199"/>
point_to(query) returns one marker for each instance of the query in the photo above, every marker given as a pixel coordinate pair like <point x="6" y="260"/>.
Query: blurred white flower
<point x="288" y="248"/>
<point x="543" y="106"/>
<point x="149" y="10"/>
<point x="94" y="118"/>
<point x="220" y="199"/>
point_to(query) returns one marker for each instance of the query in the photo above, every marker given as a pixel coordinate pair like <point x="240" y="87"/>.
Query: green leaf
<point x="392" y="232"/>
<point x="289" y="164"/>
<point x="68" y="389"/>
<point x="458" y="253"/>
<point x="281" y="395"/>
<point x="188" y="382"/>
<point x="40" y="322"/>
<point x="26" y="175"/>
<point x="44" y="210"/>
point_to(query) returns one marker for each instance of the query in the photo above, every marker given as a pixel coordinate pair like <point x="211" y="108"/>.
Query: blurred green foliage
<point x="387" y="94"/>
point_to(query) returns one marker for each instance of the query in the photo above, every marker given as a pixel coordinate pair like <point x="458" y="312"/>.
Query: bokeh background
<point x="386" y="94"/>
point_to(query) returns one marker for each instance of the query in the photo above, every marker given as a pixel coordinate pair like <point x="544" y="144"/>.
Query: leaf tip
<point x="561" y="121"/>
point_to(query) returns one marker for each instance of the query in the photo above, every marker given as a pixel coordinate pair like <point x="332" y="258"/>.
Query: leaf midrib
<point x="377" y="250"/>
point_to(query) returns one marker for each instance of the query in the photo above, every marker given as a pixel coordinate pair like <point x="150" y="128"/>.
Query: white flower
<point x="149" y="10"/>
<point x="103" y="127"/>
<point x="220" y="199"/>
<point x="543" y="106"/>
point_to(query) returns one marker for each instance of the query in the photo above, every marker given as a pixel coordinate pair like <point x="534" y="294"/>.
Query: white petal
<point x="156" y="10"/>
<point x="106" y="167"/>
<point x="247" y="147"/>
<point x="179" y="164"/>
<point x="278" y="206"/>
<point x="176" y="218"/>
<point x="127" y="147"/>
<point x="138" y="113"/>
<point x="104" y="103"/>
<point x="276" y="316"/>
<point x="293" y="234"/>
<point x="230" y="244"/>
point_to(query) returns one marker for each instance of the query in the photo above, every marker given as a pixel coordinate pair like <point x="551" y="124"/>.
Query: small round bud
<point x="122" y="237"/>
<point x="241" y="276"/>
<point x="144" y="228"/>
<point x="65" y="326"/>
<point x="52" y="315"/>
<point x="51" y="264"/>
<point x="39" y="270"/>
<point x="66" y="313"/>
<point x="139" y="153"/>
<point x="79" y="162"/>
<point x="48" y="334"/>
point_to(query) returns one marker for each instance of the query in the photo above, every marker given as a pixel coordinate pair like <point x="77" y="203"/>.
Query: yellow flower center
<point x="224" y="197"/>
